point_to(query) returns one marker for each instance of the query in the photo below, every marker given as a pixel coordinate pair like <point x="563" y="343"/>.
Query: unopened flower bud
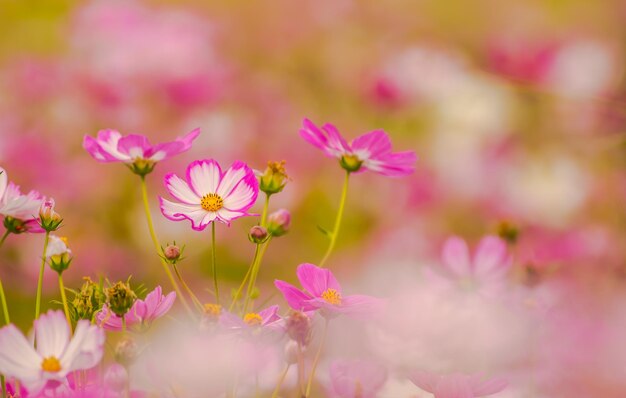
<point x="299" y="327"/>
<point x="291" y="352"/>
<point x="116" y="377"/>
<point x="120" y="298"/>
<point x="350" y="163"/>
<point x="50" y="220"/>
<point x="172" y="253"/>
<point x="58" y="254"/>
<point x="88" y="300"/>
<point x="126" y="351"/>
<point x="274" y="178"/>
<point x="278" y="222"/>
<point x="257" y="234"/>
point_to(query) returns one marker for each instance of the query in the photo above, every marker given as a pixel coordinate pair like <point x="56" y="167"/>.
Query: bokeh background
<point x="516" y="109"/>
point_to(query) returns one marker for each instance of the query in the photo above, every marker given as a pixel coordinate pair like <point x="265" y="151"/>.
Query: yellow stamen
<point x="332" y="296"/>
<point x="51" y="364"/>
<point x="252" y="319"/>
<point x="212" y="202"/>
<point x="212" y="310"/>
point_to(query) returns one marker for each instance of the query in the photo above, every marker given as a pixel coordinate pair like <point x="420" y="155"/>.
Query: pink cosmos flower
<point x="14" y="204"/>
<point x="323" y="292"/>
<point x="57" y="354"/>
<point x="370" y="151"/>
<point x="356" y="378"/>
<point x="111" y="146"/>
<point x="457" y="385"/>
<point x="485" y="272"/>
<point x="142" y="313"/>
<point x="267" y="319"/>
<point x="208" y="194"/>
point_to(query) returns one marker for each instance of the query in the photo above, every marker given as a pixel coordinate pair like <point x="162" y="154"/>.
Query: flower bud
<point x="258" y="234"/>
<point x="291" y="352"/>
<point x="126" y="351"/>
<point x="142" y="167"/>
<point x="172" y="254"/>
<point x="273" y="178"/>
<point x="350" y="163"/>
<point x="58" y="254"/>
<point x="50" y="220"/>
<point x="17" y="226"/>
<point x="116" y="377"/>
<point x="299" y="327"/>
<point x="88" y="300"/>
<point x="120" y="298"/>
<point x="278" y="222"/>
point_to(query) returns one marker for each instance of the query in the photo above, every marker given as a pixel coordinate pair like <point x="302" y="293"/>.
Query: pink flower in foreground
<point x="323" y="292"/>
<point x="143" y="312"/>
<point x="457" y="385"/>
<point x="370" y="151"/>
<point x="356" y="378"/>
<point x="486" y="271"/>
<point x="58" y="353"/>
<point x="267" y="318"/>
<point x="208" y="194"/>
<point x="135" y="150"/>
<point x="14" y="204"/>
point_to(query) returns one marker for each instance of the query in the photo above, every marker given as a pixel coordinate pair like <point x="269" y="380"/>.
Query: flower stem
<point x="316" y="360"/>
<point x="255" y="272"/>
<point x="214" y="264"/>
<point x="265" y="208"/>
<point x="245" y="279"/>
<point x="66" y="308"/>
<point x="194" y="298"/>
<point x="333" y="235"/>
<point x="4" y="386"/>
<point x="124" y="324"/>
<point x="155" y="240"/>
<point x="41" y="270"/>
<point x="3" y="298"/>
<point x="280" y="381"/>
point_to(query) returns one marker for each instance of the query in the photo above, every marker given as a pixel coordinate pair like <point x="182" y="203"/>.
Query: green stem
<point x="316" y="360"/>
<point x="255" y="272"/>
<point x="66" y="308"/>
<point x="3" y="298"/>
<point x="280" y="381"/>
<point x="342" y="205"/>
<point x="155" y="241"/>
<point x="245" y="279"/>
<point x="265" y="208"/>
<point x="4" y="237"/>
<point x="4" y="386"/>
<point x="194" y="298"/>
<point x="41" y="270"/>
<point x="214" y="264"/>
<point x="124" y="324"/>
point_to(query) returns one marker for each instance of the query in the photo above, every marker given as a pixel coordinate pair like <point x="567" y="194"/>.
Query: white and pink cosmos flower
<point x="323" y="292"/>
<point x="141" y="314"/>
<point x="56" y="355"/>
<point x="208" y="194"/>
<point x="14" y="204"/>
<point x="370" y="151"/>
<point x="457" y="385"/>
<point x="111" y="146"/>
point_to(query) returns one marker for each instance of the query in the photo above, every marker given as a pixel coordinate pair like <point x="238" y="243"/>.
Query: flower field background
<point x="393" y="199"/>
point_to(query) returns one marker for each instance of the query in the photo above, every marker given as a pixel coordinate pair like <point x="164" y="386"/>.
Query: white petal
<point x="181" y="211"/>
<point x="18" y="358"/>
<point x="179" y="189"/>
<point x="52" y="334"/>
<point x="231" y="178"/>
<point x="85" y="350"/>
<point x="204" y="176"/>
<point x="240" y="197"/>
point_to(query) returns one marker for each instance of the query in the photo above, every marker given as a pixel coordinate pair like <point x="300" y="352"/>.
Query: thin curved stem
<point x="3" y="298"/>
<point x="194" y="298"/>
<point x="333" y="235"/>
<point x="316" y="360"/>
<point x="157" y="247"/>
<point x="66" y="307"/>
<point x="41" y="270"/>
<point x="245" y="279"/>
<point x="265" y="209"/>
<point x="280" y="381"/>
<point x="255" y="272"/>
<point x="214" y="263"/>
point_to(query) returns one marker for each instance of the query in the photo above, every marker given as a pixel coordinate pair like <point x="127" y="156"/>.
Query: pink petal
<point x="164" y="306"/>
<point x="168" y="149"/>
<point x="85" y="349"/>
<point x="491" y="254"/>
<point x="270" y="314"/>
<point x="4" y="179"/>
<point x="179" y="189"/>
<point x="453" y="386"/>
<point x="226" y="216"/>
<point x="296" y="299"/>
<point x="357" y="304"/>
<point x="179" y="211"/>
<point x="52" y="334"/>
<point x="316" y="280"/>
<point x="244" y="195"/>
<point x="374" y="144"/>
<point x="232" y="177"/>
<point x="425" y="380"/>
<point x="335" y="140"/>
<point x="455" y="256"/>
<point x="17" y="356"/>
<point x="397" y="164"/>
<point x="313" y="135"/>
<point x="134" y="145"/>
<point x="204" y="176"/>
<point x="482" y="388"/>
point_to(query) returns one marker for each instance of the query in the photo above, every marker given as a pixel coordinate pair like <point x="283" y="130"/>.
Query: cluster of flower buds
<point x="274" y="178"/>
<point x="88" y="300"/>
<point x="49" y="219"/>
<point x="120" y="298"/>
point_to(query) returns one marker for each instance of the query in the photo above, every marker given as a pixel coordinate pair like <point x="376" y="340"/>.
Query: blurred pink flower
<point x="356" y="378"/>
<point x="143" y="312"/>
<point x="208" y="194"/>
<point x="14" y="204"/>
<point x="111" y="146"/>
<point x="457" y="385"/>
<point x="57" y="354"/>
<point x="323" y="292"/>
<point x="267" y="318"/>
<point x="370" y="151"/>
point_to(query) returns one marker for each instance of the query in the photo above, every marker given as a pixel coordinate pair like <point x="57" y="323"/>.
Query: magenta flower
<point x="485" y="272"/>
<point x="210" y="195"/>
<point x="134" y="149"/>
<point x="457" y="385"/>
<point x="266" y="319"/>
<point x="57" y="354"/>
<point x="142" y="313"/>
<point x="370" y="151"/>
<point x="356" y="378"/>
<point x="323" y="292"/>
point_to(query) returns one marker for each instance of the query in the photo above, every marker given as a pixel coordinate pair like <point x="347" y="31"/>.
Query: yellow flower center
<point x="252" y="319"/>
<point x="51" y="364"/>
<point x="212" y="310"/>
<point x="212" y="202"/>
<point x="331" y="296"/>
